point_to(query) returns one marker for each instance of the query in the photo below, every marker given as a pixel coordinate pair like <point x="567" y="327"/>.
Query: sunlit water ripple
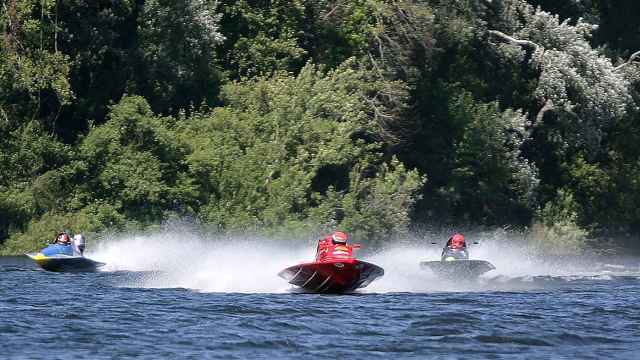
<point x="106" y="315"/>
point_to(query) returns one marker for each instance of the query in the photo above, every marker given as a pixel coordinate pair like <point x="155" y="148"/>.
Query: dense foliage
<point x="369" y="115"/>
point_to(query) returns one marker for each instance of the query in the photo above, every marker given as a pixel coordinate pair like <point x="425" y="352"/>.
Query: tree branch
<point x="4" y="114"/>
<point x="9" y="25"/>
<point x="523" y="43"/>
<point x="632" y="58"/>
<point x="375" y="63"/>
<point x="548" y="105"/>
<point x="327" y="15"/>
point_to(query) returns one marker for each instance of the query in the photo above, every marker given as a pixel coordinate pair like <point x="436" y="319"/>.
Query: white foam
<point x="250" y="264"/>
<point x="205" y="263"/>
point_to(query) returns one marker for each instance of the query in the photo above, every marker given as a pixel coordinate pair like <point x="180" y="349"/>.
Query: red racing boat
<point x="334" y="271"/>
<point x="332" y="276"/>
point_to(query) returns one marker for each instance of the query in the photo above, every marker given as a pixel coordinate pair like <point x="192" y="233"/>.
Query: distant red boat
<point x="332" y="275"/>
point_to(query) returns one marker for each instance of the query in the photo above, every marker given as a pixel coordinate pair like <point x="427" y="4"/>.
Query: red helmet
<point x="340" y="237"/>
<point x="457" y="241"/>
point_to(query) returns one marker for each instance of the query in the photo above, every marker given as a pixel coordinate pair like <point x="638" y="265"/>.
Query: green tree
<point x="33" y="73"/>
<point x="284" y="146"/>
<point x="262" y="37"/>
<point x="132" y="163"/>
<point x="490" y="179"/>
<point x="177" y="41"/>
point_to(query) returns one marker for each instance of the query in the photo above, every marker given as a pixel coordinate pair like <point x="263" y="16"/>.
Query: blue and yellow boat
<point x="61" y="258"/>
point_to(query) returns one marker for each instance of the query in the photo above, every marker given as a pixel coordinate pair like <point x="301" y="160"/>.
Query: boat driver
<point x="63" y="238"/>
<point x="334" y="245"/>
<point x="456" y="242"/>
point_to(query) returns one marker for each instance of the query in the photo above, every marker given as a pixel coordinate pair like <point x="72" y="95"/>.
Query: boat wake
<point x="250" y="264"/>
<point x="516" y="269"/>
<point x="209" y="264"/>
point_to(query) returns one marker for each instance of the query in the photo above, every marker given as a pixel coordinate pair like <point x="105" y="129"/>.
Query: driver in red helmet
<point x="456" y="242"/>
<point x="334" y="245"/>
<point x="456" y="249"/>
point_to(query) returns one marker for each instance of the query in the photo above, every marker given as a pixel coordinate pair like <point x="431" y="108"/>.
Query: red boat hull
<point x="332" y="275"/>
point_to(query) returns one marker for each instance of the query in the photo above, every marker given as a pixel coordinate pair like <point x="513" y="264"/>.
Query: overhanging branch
<point x="523" y="43"/>
<point x="548" y="105"/>
<point x="632" y="58"/>
<point x="533" y="47"/>
<point x="4" y="114"/>
<point x="328" y="15"/>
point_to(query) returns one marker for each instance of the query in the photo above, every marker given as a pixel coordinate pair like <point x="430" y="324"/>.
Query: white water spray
<point x="250" y="264"/>
<point x="210" y="264"/>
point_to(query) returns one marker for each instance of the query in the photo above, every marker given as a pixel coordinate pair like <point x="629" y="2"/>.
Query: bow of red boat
<point x="332" y="275"/>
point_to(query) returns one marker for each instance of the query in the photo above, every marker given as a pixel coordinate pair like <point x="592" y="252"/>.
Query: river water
<point x="221" y="304"/>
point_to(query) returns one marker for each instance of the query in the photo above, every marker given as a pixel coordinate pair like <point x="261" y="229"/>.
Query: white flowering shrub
<point x="579" y="84"/>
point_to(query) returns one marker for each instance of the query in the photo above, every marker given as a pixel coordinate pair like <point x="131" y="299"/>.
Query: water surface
<point x="117" y="314"/>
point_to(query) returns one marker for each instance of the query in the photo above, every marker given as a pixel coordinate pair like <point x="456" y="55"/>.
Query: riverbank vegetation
<point x="375" y="116"/>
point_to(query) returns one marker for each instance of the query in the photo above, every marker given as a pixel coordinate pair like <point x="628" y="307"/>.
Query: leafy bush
<point x="490" y="175"/>
<point x="258" y="160"/>
<point x="556" y="230"/>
